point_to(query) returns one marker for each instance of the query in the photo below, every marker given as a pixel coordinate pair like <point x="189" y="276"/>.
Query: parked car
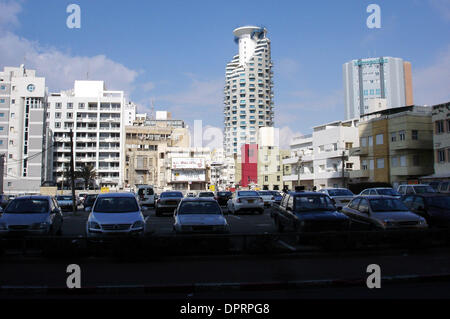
<point x="32" y="215"/>
<point x="382" y="212"/>
<point x="115" y="214"/>
<point x="267" y="197"/>
<point x="206" y="194"/>
<point x="415" y="189"/>
<point x="277" y="197"/>
<point x="340" y="196"/>
<point x="167" y="203"/>
<point x="190" y="194"/>
<point x="308" y="212"/>
<point x="146" y="195"/>
<point x="65" y="202"/>
<point x="223" y="197"/>
<point x="82" y="197"/>
<point x="435" y="208"/>
<point x="199" y="215"/>
<point x="386" y="191"/>
<point x="246" y="201"/>
<point x="441" y="187"/>
<point x="89" y="201"/>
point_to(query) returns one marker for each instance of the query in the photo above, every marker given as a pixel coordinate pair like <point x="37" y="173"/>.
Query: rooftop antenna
<point x="152" y="110"/>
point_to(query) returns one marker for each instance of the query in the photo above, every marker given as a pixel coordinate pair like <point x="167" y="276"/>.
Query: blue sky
<point x="175" y="52"/>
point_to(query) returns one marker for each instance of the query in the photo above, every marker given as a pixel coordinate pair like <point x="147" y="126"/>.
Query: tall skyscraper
<point x="387" y="80"/>
<point x="248" y="89"/>
<point x="23" y="136"/>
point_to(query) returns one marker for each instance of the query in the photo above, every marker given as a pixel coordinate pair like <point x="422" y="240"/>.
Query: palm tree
<point x="87" y="173"/>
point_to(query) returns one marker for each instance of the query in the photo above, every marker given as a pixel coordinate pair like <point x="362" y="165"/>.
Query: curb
<point x="205" y="287"/>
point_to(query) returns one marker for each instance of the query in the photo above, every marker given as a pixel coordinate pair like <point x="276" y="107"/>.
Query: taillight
<point x="239" y="200"/>
<point x="273" y="198"/>
<point x="261" y="200"/>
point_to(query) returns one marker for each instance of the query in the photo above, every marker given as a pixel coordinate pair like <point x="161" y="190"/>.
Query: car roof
<point x="34" y="197"/>
<point x="292" y="193"/>
<point x="117" y="195"/>
<point x="374" y="196"/>
<point x="430" y="195"/>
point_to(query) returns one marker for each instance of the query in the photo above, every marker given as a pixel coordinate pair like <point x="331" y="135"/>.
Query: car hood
<point x="23" y="219"/>
<point x="342" y="197"/>
<point x="396" y="216"/>
<point x="201" y="219"/>
<point x="116" y="218"/>
<point x="319" y="215"/>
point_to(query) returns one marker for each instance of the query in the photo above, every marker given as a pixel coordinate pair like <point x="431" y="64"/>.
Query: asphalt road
<point x="74" y="225"/>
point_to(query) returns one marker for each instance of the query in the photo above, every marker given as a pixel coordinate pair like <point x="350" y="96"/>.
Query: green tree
<point x="87" y="173"/>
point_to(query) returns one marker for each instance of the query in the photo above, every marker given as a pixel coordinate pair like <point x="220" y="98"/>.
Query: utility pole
<point x="299" y="165"/>
<point x="343" y="169"/>
<point x="72" y="174"/>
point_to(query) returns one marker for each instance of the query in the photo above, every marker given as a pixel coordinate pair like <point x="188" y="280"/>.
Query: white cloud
<point x="431" y="84"/>
<point x="8" y="14"/>
<point x="59" y="68"/>
<point x="286" y="135"/>
<point x="148" y="86"/>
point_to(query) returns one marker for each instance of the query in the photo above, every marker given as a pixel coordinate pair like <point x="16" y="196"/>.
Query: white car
<point x="115" y="214"/>
<point x="267" y="197"/>
<point x="146" y="195"/>
<point x="199" y="215"/>
<point x="246" y="201"/>
<point x="340" y="196"/>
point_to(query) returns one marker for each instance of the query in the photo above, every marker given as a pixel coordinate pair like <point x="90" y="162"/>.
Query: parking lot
<point x="74" y="225"/>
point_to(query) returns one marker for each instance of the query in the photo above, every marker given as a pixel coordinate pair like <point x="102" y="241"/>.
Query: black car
<point x="168" y="202"/>
<point x="308" y="212"/>
<point x="223" y="197"/>
<point x="435" y="208"/>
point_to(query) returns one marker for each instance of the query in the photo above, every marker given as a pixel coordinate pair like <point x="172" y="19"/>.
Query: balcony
<point x="360" y="174"/>
<point x="330" y="174"/>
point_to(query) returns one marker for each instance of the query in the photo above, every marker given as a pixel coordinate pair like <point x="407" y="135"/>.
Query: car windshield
<point x="247" y="193"/>
<point x="90" y="199"/>
<point x="189" y="208"/>
<point x="27" y="206"/>
<point x="278" y="194"/>
<point x="222" y="194"/>
<point x="206" y="195"/>
<point x="116" y="205"/>
<point x="439" y="202"/>
<point x="64" y="198"/>
<point x="387" y="205"/>
<point x="424" y="189"/>
<point x="388" y="192"/>
<point x="339" y="192"/>
<point x="265" y="193"/>
<point x="311" y="203"/>
<point x="145" y="191"/>
<point x="171" y="194"/>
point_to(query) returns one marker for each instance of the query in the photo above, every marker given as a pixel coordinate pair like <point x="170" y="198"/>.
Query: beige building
<point x="396" y="146"/>
<point x="146" y="143"/>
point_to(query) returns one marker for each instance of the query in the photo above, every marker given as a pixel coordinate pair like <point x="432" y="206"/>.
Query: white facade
<point x="374" y="78"/>
<point x="248" y="90"/>
<point x="222" y="169"/>
<point x="23" y="135"/>
<point x="319" y="155"/>
<point x="97" y="118"/>
<point x="129" y="113"/>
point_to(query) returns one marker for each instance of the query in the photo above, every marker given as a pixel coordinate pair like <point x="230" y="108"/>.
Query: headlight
<point x="138" y="224"/>
<point x="3" y="226"/>
<point x="422" y="221"/>
<point x="388" y="223"/>
<point x="93" y="225"/>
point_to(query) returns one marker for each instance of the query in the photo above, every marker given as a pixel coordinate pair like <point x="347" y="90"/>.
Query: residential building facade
<point x="396" y="146"/>
<point x="97" y="118"/>
<point x="384" y="78"/>
<point x="24" y="142"/>
<point x="248" y="92"/>
<point x="317" y="160"/>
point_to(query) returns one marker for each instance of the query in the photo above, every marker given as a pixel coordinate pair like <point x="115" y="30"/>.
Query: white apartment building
<point x="319" y="155"/>
<point x="222" y="169"/>
<point x="248" y="92"/>
<point x="23" y="136"/>
<point x="384" y="78"/>
<point x="97" y="118"/>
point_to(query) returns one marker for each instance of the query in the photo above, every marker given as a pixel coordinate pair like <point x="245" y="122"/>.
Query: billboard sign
<point x="188" y="163"/>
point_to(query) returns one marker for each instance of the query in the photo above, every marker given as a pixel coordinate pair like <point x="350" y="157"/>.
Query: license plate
<point x="250" y="201"/>
<point x="171" y="203"/>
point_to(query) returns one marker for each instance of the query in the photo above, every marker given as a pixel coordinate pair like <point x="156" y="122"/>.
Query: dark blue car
<point x="309" y="212"/>
<point x="277" y="197"/>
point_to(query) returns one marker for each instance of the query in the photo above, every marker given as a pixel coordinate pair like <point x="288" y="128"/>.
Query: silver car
<point x="340" y="196"/>
<point x="115" y="214"/>
<point x="246" y="201"/>
<point x="32" y="215"/>
<point x="199" y="215"/>
<point x="382" y="212"/>
<point x="267" y="197"/>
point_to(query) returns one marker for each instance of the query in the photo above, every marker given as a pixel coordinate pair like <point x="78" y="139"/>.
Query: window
<point x="403" y="161"/>
<point x="348" y="146"/>
<point x="370" y="140"/>
<point x="415" y="135"/>
<point x="393" y="136"/>
<point x="402" y="135"/>
<point x="372" y="164"/>
<point x="69" y="115"/>
<point x="2" y="101"/>
<point x="364" y="165"/>
<point x="440" y="127"/>
<point x="441" y="156"/>
<point x="57" y="115"/>
<point x="70" y="105"/>
<point x="58" y="105"/>
<point x="57" y="125"/>
<point x="416" y="160"/>
<point x="363" y="142"/>
<point x="380" y="163"/>
<point x="394" y="161"/>
<point x="2" y="114"/>
<point x="379" y="139"/>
